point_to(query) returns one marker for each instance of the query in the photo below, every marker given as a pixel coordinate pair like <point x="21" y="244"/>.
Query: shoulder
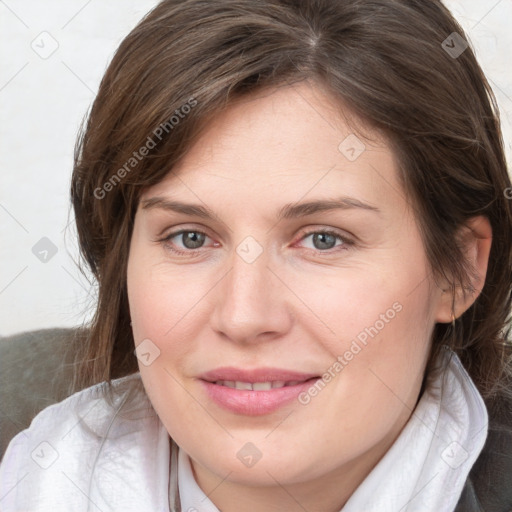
<point x="489" y="483"/>
<point x="84" y="411"/>
<point x="54" y="458"/>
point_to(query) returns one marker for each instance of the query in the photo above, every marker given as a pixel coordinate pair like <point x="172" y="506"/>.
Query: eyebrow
<point x="288" y="211"/>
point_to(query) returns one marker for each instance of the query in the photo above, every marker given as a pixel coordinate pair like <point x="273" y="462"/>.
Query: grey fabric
<point x="35" y="371"/>
<point x="489" y="486"/>
<point x="468" y="501"/>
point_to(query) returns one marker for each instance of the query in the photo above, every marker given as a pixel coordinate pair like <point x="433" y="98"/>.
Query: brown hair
<point x="384" y="59"/>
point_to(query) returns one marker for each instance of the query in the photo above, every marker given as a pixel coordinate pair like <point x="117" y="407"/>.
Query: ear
<point x="476" y="239"/>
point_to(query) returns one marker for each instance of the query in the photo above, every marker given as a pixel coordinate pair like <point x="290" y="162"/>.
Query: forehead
<point x="283" y="145"/>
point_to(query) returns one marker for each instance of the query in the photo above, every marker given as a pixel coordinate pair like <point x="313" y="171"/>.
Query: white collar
<point x="428" y="464"/>
<point x="191" y="496"/>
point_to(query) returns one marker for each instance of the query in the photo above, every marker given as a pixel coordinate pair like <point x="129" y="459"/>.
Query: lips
<point x="254" y="392"/>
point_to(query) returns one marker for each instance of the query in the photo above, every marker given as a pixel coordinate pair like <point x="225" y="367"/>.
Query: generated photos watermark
<point x="151" y="142"/>
<point x="356" y="346"/>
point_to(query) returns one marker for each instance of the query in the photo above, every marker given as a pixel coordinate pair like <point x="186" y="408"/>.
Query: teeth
<point x="256" y="386"/>
<point x="262" y="386"/>
<point x="243" y="385"/>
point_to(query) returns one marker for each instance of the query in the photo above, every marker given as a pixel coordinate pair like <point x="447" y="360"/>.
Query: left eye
<point x="324" y="240"/>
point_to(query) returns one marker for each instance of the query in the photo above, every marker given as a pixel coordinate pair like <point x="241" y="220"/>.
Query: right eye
<point x="185" y="241"/>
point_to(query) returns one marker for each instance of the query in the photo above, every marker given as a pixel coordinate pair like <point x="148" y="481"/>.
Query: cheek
<point x="158" y="315"/>
<point x="167" y="314"/>
<point x="162" y="299"/>
<point x="161" y="327"/>
<point x="365" y="304"/>
<point x="380" y="324"/>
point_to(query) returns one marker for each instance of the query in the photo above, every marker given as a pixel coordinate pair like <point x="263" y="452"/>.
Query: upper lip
<point x="255" y="375"/>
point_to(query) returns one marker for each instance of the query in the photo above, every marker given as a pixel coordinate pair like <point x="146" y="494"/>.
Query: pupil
<point x="192" y="239"/>
<point x="324" y="241"/>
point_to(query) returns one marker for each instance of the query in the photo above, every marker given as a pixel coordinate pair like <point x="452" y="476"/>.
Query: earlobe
<point x="476" y="240"/>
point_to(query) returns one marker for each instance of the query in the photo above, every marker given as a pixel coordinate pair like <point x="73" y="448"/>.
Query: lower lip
<point x="254" y="403"/>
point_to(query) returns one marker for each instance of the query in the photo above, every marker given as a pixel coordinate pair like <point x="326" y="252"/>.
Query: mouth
<point x="280" y="377"/>
<point x="255" y="392"/>
<point x="257" y="386"/>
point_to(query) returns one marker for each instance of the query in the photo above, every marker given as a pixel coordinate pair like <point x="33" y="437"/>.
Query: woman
<point x="297" y="215"/>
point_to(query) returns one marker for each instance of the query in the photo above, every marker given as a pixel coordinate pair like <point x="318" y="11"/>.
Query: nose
<point x="250" y="303"/>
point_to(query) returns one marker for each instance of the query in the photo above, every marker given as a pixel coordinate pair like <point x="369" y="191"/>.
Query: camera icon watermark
<point x="351" y="147"/>
<point x="249" y="455"/>
<point x="454" y="455"/>
<point x="44" y="250"/>
<point x="44" y="455"/>
<point x="45" y="45"/>
<point x="454" y="45"/>
<point x="146" y="352"/>
<point x="249" y="249"/>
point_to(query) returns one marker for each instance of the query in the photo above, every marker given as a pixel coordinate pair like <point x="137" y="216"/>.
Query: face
<point x="280" y="292"/>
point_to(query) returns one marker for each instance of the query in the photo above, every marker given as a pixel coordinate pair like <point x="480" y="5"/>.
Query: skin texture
<point x="295" y="307"/>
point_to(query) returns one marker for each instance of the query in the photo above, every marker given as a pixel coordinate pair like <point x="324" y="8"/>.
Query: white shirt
<point x="83" y="455"/>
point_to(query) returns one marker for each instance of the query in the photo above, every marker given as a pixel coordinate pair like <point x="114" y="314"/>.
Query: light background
<point x="42" y="102"/>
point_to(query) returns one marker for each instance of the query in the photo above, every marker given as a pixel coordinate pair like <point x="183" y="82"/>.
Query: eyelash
<point x="346" y="242"/>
